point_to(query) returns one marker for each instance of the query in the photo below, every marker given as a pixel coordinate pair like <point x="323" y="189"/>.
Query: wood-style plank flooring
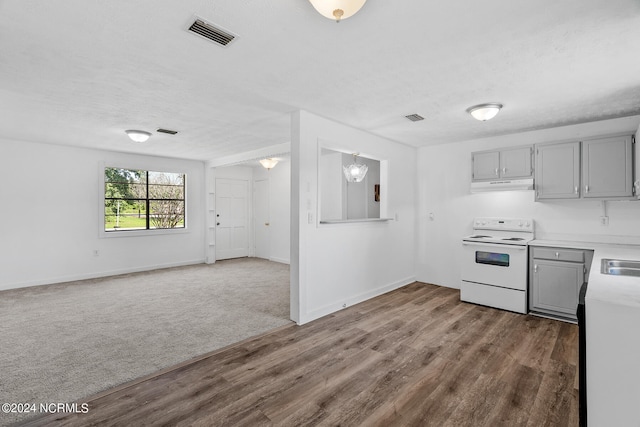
<point x="416" y="356"/>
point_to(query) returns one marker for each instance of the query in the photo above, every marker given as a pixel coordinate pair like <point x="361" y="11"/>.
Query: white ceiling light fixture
<point x="138" y="135"/>
<point x="355" y="172"/>
<point x="269" y="162"/>
<point x="484" y="112"/>
<point x="337" y="9"/>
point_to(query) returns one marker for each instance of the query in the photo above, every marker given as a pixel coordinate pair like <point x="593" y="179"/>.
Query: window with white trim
<point x="143" y="200"/>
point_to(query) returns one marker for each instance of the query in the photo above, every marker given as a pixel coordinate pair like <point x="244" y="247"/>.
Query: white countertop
<point x="607" y="288"/>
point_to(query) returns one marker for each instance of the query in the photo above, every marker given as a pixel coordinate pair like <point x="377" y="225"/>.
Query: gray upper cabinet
<point x="506" y="163"/>
<point x="592" y="169"/>
<point x="516" y="162"/>
<point x="558" y="171"/>
<point x="607" y="167"/>
<point x="486" y="165"/>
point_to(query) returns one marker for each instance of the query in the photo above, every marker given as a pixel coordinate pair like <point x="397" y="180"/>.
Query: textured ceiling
<point x="80" y="72"/>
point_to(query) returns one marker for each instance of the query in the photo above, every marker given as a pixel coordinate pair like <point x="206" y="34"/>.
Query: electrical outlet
<point x="604" y="220"/>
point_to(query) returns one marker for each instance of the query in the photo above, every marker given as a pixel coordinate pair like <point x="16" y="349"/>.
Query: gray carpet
<point x="64" y="342"/>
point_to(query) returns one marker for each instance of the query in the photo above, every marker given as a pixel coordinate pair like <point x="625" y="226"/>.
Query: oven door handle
<point x="495" y="245"/>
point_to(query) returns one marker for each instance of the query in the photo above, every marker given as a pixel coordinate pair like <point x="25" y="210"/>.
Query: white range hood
<point x="502" y="185"/>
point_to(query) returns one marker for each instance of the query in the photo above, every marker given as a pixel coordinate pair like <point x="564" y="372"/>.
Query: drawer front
<point x="559" y="254"/>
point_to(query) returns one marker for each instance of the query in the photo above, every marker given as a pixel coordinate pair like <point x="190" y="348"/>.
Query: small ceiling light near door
<point x="337" y="9"/>
<point x="269" y="162"/>
<point x="484" y="112"/>
<point x="355" y="172"/>
<point x="138" y="135"/>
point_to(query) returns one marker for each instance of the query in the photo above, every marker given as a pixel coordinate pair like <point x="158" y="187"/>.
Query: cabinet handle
<point x="504" y="170"/>
<point x="575" y="189"/>
<point x="496" y="171"/>
<point x="586" y="188"/>
<point x="557" y="255"/>
<point x="217" y="223"/>
<point x="535" y="268"/>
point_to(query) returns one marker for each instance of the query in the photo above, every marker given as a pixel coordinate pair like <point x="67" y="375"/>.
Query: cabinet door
<point x="516" y="163"/>
<point x="486" y="165"/>
<point x="558" y="171"/>
<point x="556" y="286"/>
<point x="606" y="167"/>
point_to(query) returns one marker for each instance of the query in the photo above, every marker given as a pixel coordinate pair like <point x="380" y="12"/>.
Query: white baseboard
<point x="353" y="300"/>
<point x="96" y="275"/>
<point x="280" y="260"/>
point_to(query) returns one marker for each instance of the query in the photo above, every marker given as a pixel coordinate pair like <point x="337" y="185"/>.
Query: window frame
<point x="138" y="232"/>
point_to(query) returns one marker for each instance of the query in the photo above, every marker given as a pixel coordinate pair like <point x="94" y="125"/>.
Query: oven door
<point x="495" y="264"/>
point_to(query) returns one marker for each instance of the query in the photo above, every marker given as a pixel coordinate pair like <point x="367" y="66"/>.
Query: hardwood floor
<point x="415" y="356"/>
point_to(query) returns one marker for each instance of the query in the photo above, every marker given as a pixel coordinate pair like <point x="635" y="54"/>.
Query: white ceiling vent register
<point x="211" y="32"/>
<point x="415" y="117"/>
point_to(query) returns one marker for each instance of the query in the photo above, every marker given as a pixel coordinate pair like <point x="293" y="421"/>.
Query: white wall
<point x="338" y="265"/>
<point x="444" y="175"/>
<point x="371" y="179"/>
<point x="51" y="201"/>
<point x="279" y="209"/>
<point x="331" y="186"/>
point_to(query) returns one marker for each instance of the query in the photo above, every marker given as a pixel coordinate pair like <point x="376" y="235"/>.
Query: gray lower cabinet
<point x="555" y="279"/>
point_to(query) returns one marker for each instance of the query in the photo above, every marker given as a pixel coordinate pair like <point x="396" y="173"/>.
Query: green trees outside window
<point x="143" y="200"/>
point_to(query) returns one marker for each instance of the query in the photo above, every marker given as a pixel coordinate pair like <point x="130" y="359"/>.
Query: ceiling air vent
<point x="170" y="132"/>
<point x="415" y="117"/>
<point x="211" y="32"/>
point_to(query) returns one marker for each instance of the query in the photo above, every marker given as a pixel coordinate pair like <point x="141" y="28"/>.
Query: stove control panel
<point x="506" y="224"/>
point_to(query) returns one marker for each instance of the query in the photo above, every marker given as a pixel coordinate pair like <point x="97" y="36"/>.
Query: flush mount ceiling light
<point x="138" y="135"/>
<point x="484" y="112"/>
<point x="337" y="9"/>
<point x="355" y="172"/>
<point x="269" y="162"/>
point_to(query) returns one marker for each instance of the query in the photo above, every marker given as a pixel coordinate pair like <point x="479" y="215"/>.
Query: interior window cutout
<point x="350" y="186"/>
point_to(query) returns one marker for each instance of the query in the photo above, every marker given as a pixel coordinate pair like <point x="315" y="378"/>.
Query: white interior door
<point x="232" y="225"/>
<point x="261" y="218"/>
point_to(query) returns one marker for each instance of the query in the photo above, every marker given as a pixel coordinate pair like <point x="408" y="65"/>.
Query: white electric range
<point x="494" y="263"/>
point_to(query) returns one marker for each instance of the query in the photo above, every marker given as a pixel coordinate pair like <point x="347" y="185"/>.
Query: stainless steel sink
<point x="620" y="267"/>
